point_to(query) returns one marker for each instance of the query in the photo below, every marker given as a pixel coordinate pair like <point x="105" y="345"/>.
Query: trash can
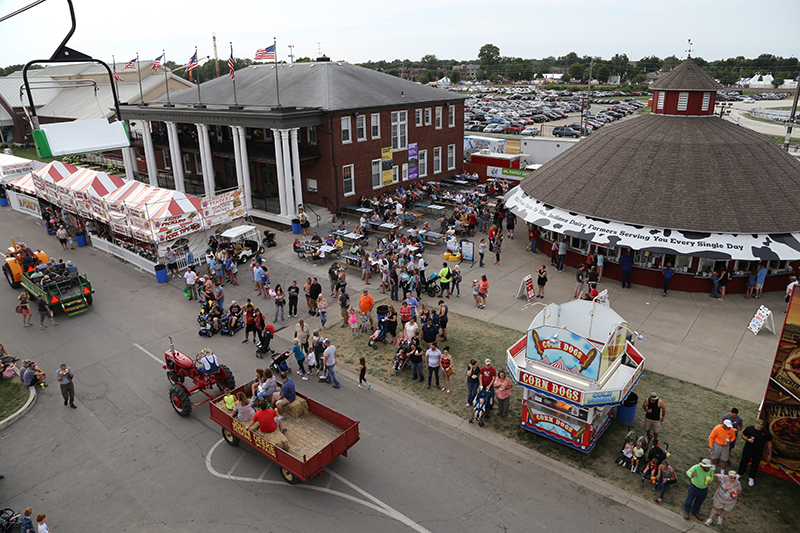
<point x="382" y="311"/>
<point x="3" y="201"/>
<point x="296" y="229"/>
<point x="80" y="238"/>
<point x="161" y="273"/>
<point x="626" y="412"/>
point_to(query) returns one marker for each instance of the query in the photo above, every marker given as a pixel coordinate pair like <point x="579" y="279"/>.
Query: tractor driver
<point x="235" y="313"/>
<point x="215" y="315"/>
<point x="25" y="255"/>
<point x="208" y="363"/>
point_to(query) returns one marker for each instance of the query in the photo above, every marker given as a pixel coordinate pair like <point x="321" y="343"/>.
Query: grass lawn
<point x="13" y="395"/>
<point x="693" y="411"/>
<point x="30" y="153"/>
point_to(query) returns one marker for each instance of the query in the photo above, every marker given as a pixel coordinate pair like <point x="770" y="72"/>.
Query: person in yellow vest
<point x="445" y="274"/>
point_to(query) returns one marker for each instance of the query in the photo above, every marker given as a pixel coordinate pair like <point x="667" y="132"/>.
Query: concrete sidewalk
<point x="688" y="336"/>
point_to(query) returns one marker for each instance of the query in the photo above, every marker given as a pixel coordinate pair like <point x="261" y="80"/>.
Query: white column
<point x="210" y="160"/>
<point x="291" y="205"/>
<point x="276" y="135"/>
<point x="237" y="158"/>
<point x="175" y="155"/>
<point x="298" y="179"/>
<point x="245" y="163"/>
<point x="149" y="154"/>
<point x="128" y="160"/>
<point x="208" y="172"/>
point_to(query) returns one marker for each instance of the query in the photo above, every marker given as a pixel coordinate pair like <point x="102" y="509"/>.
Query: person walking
<point x="626" y="268"/>
<point x="700" y="475"/>
<point x="481" y="251"/>
<point x="24" y="308"/>
<point x="483" y="291"/>
<point x="329" y="356"/>
<point x="302" y="332"/>
<point x="541" y="280"/>
<point x="190" y="277"/>
<point x="44" y="312"/>
<point x="344" y="305"/>
<point x="64" y="376"/>
<point x="322" y="308"/>
<point x="756" y="438"/>
<point x="41" y="525"/>
<point x="63" y="235"/>
<point x="279" y="297"/>
<point x="473" y="377"/>
<point x="655" y="411"/>
<point x="445" y="276"/>
<point x="27" y="522"/>
<point x="456" y="281"/>
<point x="668" y="272"/>
<point x="726" y="496"/>
<point x="562" y="255"/>
<point x="433" y="356"/>
<point x="498" y="243"/>
<point x="300" y="357"/>
<point x="362" y="373"/>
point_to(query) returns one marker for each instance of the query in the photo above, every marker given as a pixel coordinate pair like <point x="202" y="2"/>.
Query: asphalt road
<point x="124" y="461"/>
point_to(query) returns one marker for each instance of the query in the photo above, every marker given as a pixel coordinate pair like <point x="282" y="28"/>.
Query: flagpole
<point x="139" y="72"/>
<point x="275" y="56"/>
<point x="235" y="102"/>
<point x="199" y="100"/>
<point x="114" y="67"/>
<point x="166" y="75"/>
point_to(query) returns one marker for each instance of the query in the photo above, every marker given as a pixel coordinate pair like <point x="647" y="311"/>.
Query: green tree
<point x="430" y="62"/>
<point x="455" y="76"/>
<point x="777" y="80"/>
<point x="576" y="71"/>
<point x="603" y="73"/>
<point x="489" y="58"/>
<point x="669" y="63"/>
<point x="394" y="72"/>
<point x="540" y="75"/>
<point x="649" y="63"/>
<point x="303" y="60"/>
<point x="424" y="78"/>
<point x="565" y="77"/>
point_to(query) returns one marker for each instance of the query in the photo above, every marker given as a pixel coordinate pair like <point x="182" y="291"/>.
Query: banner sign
<point x="16" y="169"/>
<point x="173" y="232"/>
<point x="564" y="350"/>
<point x="510" y="173"/>
<point x="386" y="165"/>
<point x="413" y="159"/>
<point x="27" y="204"/>
<point x="476" y="144"/>
<point x="526" y="288"/>
<point x="762" y="318"/>
<point x="467" y="251"/>
<point x="223" y="208"/>
<point x="725" y="246"/>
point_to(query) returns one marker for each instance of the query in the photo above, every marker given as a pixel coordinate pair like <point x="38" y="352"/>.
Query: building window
<point x="187" y="164"/>
<point x="706" y="101"/>
<point x="422" y="163"/>
<point x="418" y="117"/>
<point x="167" y="160"/>
<point x="427" y="116"/>
<point x="438" y="124"/>
<point x="451" y="157"/>
<point x="346" y="136"/>
<point x="375" y="124"/>
<point x="451" y="116"/>
<point x="437" y="160"/>
<point x="311" y="185"/>
<point x="198" y="163"/>
<point x="405" y="171"/>
<point x="395" y="174"/>
<point x="312" y="135"/>
<point x="660" y="104"/>
<point x="683" y="101"/>
<point x="361" y="128"/>
<point x="377" y="181"/>
<point x="399" y="130"/>
<point x="349" y="186"/>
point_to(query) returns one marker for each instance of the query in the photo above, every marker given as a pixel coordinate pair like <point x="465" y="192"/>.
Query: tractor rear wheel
<point x="174" y="378"/>
<point x="181" y="401"/>
<point x="229" y="437"/>
<point x="288" y="477"/>
<point x="230" y="381"/>
<point x="10" y="277"/>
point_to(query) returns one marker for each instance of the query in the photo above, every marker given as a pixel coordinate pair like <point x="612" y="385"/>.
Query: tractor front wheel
<point x="181" y="401"/>
<point x="229" y="437"/>
<point x="174" y="378"/>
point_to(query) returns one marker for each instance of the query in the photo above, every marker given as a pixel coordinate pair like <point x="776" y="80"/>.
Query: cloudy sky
<point x="360" y="30"/>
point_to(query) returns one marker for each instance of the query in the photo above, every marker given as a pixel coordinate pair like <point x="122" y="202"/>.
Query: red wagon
<point x="316" y="438"/>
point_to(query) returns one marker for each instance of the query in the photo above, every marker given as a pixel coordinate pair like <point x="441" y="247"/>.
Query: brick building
<point x="321" y="133"/>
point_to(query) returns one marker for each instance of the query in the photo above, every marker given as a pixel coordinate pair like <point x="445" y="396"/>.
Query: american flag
<point x="192" y="64"/>
<point x="265" y="53"/>
<point x="117" y="76"/>
<point x="157" y="63"/>
<point x="230" y="66"/>
<point x="130" y="64"/>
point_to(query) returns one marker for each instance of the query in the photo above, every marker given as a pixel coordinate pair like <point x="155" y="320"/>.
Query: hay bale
<point x="276" y="437"/>
<point x="296" y="409"/>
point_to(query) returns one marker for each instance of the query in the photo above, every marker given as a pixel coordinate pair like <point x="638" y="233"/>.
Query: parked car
<point x="563" y="131"/>
<point x="530" y="130"/>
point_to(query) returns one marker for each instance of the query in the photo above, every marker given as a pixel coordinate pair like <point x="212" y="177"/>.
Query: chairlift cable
<point x="21" y="10"/>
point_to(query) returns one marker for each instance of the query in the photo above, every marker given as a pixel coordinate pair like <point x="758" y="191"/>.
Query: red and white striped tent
<point x="170" y="214"/>
<point x="118" y="202"/>
<point x="78" y="190"/>
<point x="24" y="184"/>
<point x="45" y="179"/>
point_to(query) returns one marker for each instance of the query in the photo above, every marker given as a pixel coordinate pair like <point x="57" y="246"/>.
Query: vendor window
<point x="646" y="259"/>
<point x="777" y="266"/>
<point x="746" y="266"/>
<point x="579" y="244"/>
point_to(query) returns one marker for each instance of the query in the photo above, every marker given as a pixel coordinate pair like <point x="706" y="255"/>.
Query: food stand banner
<point x="564" y="350"/>
<point x="386" y="166"/>
<point x="223" y="208"/>
<point x="750" y="247"/>
<point x="781" y="406"/>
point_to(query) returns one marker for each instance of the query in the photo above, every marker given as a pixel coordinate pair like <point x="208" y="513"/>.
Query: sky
<point x="358" y="30"/>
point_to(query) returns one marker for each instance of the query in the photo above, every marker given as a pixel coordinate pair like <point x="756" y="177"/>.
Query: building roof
<point x="701" y="174"/>
<point x="10" y="87"/>
<point x="330" y="86"/>
<point x="686" y="77"/>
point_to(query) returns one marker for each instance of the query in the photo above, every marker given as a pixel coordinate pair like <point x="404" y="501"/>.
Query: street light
<point x="632" y="334"/>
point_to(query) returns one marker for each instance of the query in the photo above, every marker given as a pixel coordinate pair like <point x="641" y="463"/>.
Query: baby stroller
<point x="481" y="406"/>
<point x="9" y="521"/>
<point x="262" y="347"/>
<point x="430" y="285"/>
<point x="400" y="360"/>
<point x="379" y="335"/>
<point x="279" y="363"/>
<point x="657" y="455"/>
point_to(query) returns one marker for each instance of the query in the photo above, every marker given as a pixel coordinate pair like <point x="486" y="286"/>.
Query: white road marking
<point x="264" y="472"/>
<point x="378" y="506"/>
<point x="239" y="460"/>
<point x="156" y="359"/>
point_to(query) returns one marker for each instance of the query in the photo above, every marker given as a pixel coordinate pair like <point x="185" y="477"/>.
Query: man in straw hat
<point x="755" y="437"/>
<point x="208" y="364"/>
<point x="700" y="475"/>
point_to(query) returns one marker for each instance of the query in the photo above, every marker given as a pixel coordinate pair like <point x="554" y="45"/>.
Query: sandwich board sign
<point x="526" y="288"/>
<point x="762" y="319"/>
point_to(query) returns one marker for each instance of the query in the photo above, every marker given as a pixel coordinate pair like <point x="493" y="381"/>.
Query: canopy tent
<point x="117" y="203"/>
<point x="12" y="167"/>
<point x="169" y="214"/>
<point x="24" y="184"/>
<point x="45" y="179"/>
<point x="78" y="190"/>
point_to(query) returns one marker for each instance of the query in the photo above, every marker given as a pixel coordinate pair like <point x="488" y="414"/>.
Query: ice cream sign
<point x="564" y="350"/>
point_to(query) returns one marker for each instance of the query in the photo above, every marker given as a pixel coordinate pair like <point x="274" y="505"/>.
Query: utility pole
<point x="291" y="53"/>
<point x="792" y="117"/>
<point x="216" y="58"/>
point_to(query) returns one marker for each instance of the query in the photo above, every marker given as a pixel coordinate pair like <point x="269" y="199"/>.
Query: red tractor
<point x="180" y="366"/>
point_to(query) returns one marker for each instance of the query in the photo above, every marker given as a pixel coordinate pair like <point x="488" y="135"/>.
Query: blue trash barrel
<point x="296" y="229"/>
<point x="626" y="412"/>
<point x="3" y="202"/>
<point x="382" y="311"/>
<point x="161" y="273"/>
<point x="80" y="238"/>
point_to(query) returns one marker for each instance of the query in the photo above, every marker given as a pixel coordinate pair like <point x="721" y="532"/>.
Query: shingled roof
<point x="331" y="86"/>
<point x="700" y="174"/>
<point x="686" y="77"/>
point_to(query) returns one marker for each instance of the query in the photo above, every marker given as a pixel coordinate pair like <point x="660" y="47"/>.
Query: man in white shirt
<point x="421" y="266"/>
<point x="208" y="363"/>
<point x="793" y="283"/>
<point x="329" y="356"/>
<point x="191" y="281"/>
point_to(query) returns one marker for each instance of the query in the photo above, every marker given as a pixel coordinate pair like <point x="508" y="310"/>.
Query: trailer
<point x="315" y="438"/>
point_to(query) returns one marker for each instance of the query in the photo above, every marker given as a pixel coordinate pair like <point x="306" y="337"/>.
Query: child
<point x="477" y="413"/>
<point x="230" y="399"/>
<point x="362" y="373"/>
<point x="353" y="321"/>
<point x="652" y="469"/>
<point x="638" y="453"/>
<point x="626" y="454"/>
<point x="312" y="361"/>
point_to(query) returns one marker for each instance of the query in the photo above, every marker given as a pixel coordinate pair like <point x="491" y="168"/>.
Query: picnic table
<point x="460" y="182"/>
<point x="438" y="209"/>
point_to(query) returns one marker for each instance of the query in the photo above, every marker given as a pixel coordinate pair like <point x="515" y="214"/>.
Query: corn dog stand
<point x="575" y="365"/>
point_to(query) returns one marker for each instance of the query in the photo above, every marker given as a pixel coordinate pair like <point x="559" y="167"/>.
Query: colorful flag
<point x="157" y="63"/>
<point x="116" y="76"/>
<point x="192" y="64"/>
<point x="265" y="53"/>
<point x="130" y="64"/>
<point x="230" y="66"/>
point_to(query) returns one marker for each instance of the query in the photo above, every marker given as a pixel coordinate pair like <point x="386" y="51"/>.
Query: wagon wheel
<point x="288" y="477"/>
<point x="230" y="381"/>
<point x="181" y="401"/>
<point x="229" y="437"/>
<point x="174" y="378"/>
